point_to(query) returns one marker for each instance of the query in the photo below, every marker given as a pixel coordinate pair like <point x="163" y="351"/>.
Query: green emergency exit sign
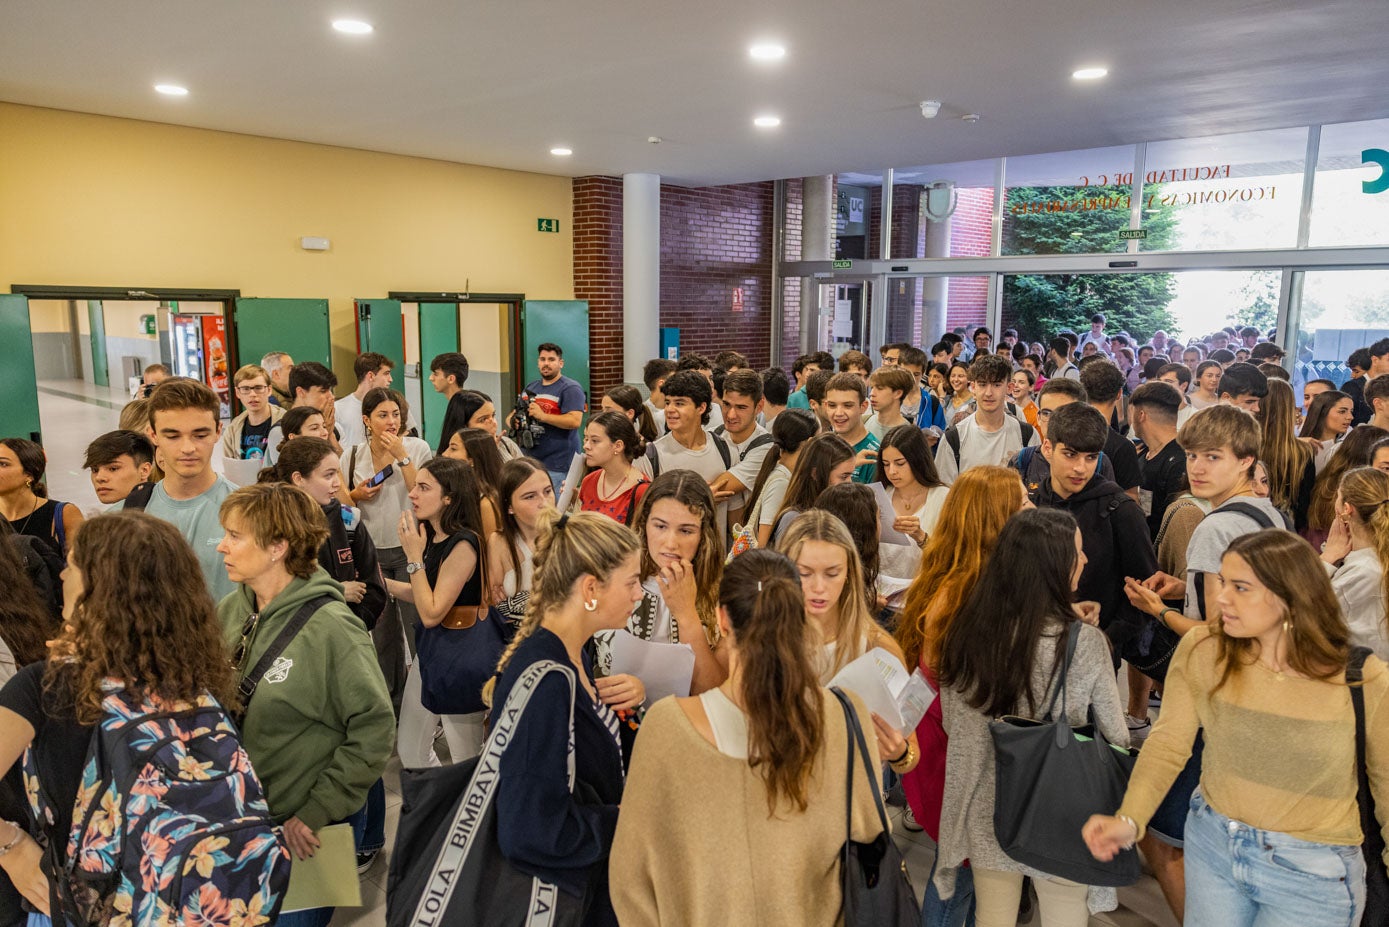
<point x="843" y="265"/>
<point x="547" y="225"/>
<point x="1132" y="234"/>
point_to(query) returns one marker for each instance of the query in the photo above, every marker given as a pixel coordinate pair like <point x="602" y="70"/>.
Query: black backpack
<point x="1259" y="517"/>
<point x="139" y="498"/>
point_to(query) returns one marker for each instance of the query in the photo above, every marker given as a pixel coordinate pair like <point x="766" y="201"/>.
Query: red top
<point x="621" y="507"/>
<point x="924" y="786"/>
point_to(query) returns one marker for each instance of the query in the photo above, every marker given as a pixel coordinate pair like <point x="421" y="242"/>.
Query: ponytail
<point x="627" y="397"/>
<point x="1366" y="490"/>
<point x="780" y="690"/>
<point x="791" y="429"/>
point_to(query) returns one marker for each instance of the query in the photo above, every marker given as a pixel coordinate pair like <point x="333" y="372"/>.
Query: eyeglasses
<point x="247" y="629"/>
<point x="252" y="390"/>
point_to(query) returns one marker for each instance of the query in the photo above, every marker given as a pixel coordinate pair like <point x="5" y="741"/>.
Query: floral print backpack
<point x="170" y="826"/>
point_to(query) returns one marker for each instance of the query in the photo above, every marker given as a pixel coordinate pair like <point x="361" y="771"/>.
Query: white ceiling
<point x="501" y="83"/>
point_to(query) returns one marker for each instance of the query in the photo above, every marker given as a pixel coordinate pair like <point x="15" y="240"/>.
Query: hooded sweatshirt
<point x="1114" y="534"/>
<point x="320" y="727"/>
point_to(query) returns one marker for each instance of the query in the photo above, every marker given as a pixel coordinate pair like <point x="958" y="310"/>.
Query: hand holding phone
<point x="381" y="477"/>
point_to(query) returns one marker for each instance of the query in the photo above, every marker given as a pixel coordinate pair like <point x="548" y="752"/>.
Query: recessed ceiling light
<point x="1089" y="73"/>
<point x="561" y="152"/>
<point x="353" y="26"/>
<point x="767" y="51"/>
<point x="171" y="90"/>
<point x="767" y="122"/>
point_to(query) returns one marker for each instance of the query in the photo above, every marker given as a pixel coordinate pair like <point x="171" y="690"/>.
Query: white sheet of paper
<point x="869" y="677"/>
<point x="664" y="669"/>
<point x="571" y="482"/>
<point x="915" y="699"/>
<point x="886" y="516"/>
<point x="241" y="472"/>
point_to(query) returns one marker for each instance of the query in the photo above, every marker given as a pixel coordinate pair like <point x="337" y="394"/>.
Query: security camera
<point x="929" y="109"/>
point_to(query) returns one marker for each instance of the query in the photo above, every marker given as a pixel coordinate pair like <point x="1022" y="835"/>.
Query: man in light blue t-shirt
<point x="185" y="428"/>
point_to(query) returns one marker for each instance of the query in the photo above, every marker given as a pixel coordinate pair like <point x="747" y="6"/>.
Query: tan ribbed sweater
<point x="696" y="846"/>
<point x="1280" y="751"/>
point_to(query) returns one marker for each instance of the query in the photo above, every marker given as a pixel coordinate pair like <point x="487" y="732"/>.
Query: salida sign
<point x="1205" y="173"/>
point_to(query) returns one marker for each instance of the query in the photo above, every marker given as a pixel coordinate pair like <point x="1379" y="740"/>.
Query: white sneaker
<point x="1138" y="729"/>
<point x="909" y="821"/>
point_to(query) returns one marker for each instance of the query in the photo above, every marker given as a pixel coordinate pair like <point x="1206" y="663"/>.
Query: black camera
<point x="523" y="429"/>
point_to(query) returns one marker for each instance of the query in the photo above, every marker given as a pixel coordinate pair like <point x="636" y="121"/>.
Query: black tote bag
<point x="1049" y="778"/>
<point x="1376" y="879"/>
<point x="447" y="867"/>
<point x="877" y="890"/>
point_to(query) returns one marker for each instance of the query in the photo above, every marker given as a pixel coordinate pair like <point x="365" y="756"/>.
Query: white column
<point x="641" y="272"/>
<point x="817" y="244"/>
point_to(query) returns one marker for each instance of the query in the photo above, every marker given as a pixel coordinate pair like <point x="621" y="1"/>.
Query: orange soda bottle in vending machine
<point x="216" y="360"/>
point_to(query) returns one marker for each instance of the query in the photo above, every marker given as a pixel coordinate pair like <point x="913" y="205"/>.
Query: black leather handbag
<point x="877" y="890"/>
<point x="1049" y="778"/>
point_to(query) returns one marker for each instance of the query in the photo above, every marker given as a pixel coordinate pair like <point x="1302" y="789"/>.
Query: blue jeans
<point x="1240" y="876"/>
<point x="372" y="835"/>
<point x="958" y="910"/>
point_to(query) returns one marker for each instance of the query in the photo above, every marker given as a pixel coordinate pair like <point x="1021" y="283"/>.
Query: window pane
<point x="1348" y="205"/>
<point x="921" y="309"/>
<point x="939" y="210"/>
<point x="1068" y="202"/>
<point x="1341" y="310"/>
<point x="1224" y="192"/>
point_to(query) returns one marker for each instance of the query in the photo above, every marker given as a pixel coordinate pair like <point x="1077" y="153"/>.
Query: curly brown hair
<point x="690" y="490"/>
<point x="144" y="617"/>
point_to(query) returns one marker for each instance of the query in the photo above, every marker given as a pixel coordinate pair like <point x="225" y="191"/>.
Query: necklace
<point x="24" y="525"/>
<point x="910" y="505"/>
<point x="609" y="495"/>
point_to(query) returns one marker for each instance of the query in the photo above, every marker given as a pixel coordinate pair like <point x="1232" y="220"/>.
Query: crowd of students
<point x="955" y="511"/>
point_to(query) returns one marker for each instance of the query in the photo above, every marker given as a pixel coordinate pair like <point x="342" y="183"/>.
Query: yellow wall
<point x="98" y="201"/>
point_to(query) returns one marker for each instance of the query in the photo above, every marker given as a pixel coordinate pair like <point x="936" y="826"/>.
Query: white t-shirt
<point x="773" y="494"/>
<point x="348" y="411"/>
<point x="748" y="463"/>
<point x="980" y="448"/>
<point x="1359" y="586"/>
<point x="878" y="430"/>
<point x="707" y="462"/>
<point x="382" y="514"/>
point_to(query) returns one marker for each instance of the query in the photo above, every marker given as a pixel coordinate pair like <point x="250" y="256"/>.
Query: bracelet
<point x="18" y="836"/>
<point x="1162" y="616"/>
<point x="1131" y="823"/>
<point x="905" y="761"/>
<point x="906" y="752"/>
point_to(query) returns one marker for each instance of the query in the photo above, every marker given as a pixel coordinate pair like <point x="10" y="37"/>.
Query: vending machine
<point x="200" y="352"/>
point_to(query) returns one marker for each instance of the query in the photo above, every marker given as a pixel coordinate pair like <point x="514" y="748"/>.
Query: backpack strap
<point x="60" y="531"/>
<point x="1254" y="513"/>
<point x="139" y="497"/>
<point x="952" y="438"/>
<point x="653" y="457"/>
<point x="632" y="503"/>
<point x="352" y="469"/>
<point x="757" y="442"/>
<point x="1023" y="460"/>
<point x="724" y="450"/>
<point x="1026" y="433"/>
<point x="246" y="688"/>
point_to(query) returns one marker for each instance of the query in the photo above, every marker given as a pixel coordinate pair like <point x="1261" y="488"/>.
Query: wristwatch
<point x="413" y="568"/>
<point x="403" y="462"/>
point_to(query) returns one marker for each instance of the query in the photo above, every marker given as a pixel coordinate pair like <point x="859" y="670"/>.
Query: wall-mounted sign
<point x="1133" y="234"/>
<point x="843" y="265"/>
<point x="851" y="211"/>
<point x="148" y="325"/>
<point x="737" y="299"/>
<point x="1380" y="157"/>
<point x="547" y="225"/>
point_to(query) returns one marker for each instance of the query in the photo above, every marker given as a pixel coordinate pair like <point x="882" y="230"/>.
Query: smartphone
<point x="381" y="477"/>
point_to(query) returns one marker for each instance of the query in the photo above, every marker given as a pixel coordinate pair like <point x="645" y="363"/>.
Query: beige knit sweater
<point x="696" y="846"/>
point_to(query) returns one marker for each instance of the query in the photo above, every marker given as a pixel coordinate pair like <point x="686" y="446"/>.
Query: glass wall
<point x="921" y="309"/>
<point x="1068" y="202"/>
<point x="1341" y="310"/>
<point x="1350" y="199"/>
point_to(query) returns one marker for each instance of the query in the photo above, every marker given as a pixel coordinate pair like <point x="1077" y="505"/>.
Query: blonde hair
<point x="855" y="621"/>
<point x="250" y="372"/>
<point x="1366" y="490"/>
<point x="567" y="548"/>
<point x="1284" y="457"/>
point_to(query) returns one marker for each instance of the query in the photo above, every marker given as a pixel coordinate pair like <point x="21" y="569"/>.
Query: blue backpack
<point x="170" y="825"/>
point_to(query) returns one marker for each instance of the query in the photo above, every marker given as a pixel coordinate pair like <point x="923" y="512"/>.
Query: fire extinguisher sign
<point x="737" y="299"/>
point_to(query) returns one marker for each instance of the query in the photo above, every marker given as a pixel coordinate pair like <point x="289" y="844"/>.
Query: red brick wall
<point x="713" y="240"/>
<point x="970" y="227"/>
<point x="791" y="287"/>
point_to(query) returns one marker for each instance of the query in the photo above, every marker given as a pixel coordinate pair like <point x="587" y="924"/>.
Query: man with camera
<point x="556" y="404"/>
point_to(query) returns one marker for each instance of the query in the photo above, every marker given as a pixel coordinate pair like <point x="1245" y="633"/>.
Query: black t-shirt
<point x="1164" y="478"/>
<point x="254" y="439"/>
<point x="60" y="743"/>
<point x="1123" y="458"/>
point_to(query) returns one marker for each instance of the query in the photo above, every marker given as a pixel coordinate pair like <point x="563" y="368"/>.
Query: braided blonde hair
<point x="567" y="548"/>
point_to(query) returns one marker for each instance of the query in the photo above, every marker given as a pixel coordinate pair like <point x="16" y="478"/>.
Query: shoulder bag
<point x="1049" y="778"/>
<point x="447" y="866"/>
<point x="458" y="655"/>
<point x="1376" y="879"/>
<point x="877" y="890"/>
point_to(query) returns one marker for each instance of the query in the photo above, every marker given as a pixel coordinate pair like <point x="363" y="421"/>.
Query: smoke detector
<point x="929" y="109"/>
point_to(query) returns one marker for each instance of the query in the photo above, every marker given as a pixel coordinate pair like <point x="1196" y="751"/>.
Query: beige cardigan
<point x="695" y="844"/>
<point x="231" y="434"/>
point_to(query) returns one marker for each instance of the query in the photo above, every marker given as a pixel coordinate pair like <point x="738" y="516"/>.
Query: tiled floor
<point x="74" y="412"/>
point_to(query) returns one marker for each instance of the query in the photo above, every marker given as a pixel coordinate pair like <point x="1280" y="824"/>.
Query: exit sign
<point x="843" y="265"/>
<point x="547" y="225"/>
<point x="1133" y="234"/>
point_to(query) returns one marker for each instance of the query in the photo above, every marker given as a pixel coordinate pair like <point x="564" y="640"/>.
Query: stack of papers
<point x="880" y="679"/>
<point x="664" y="669"/>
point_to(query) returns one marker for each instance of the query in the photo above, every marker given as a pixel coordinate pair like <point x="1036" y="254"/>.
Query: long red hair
<point x="979" y="503"/>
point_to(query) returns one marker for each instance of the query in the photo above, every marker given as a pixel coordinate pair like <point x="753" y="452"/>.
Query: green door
<point x="563" y="322"/>
<point x="298" y="327"/>
<point x="96" y="322"/>
<point x="19" y="413"/>
<point x="438" y="335"/>
<point x="380" y="329"/>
